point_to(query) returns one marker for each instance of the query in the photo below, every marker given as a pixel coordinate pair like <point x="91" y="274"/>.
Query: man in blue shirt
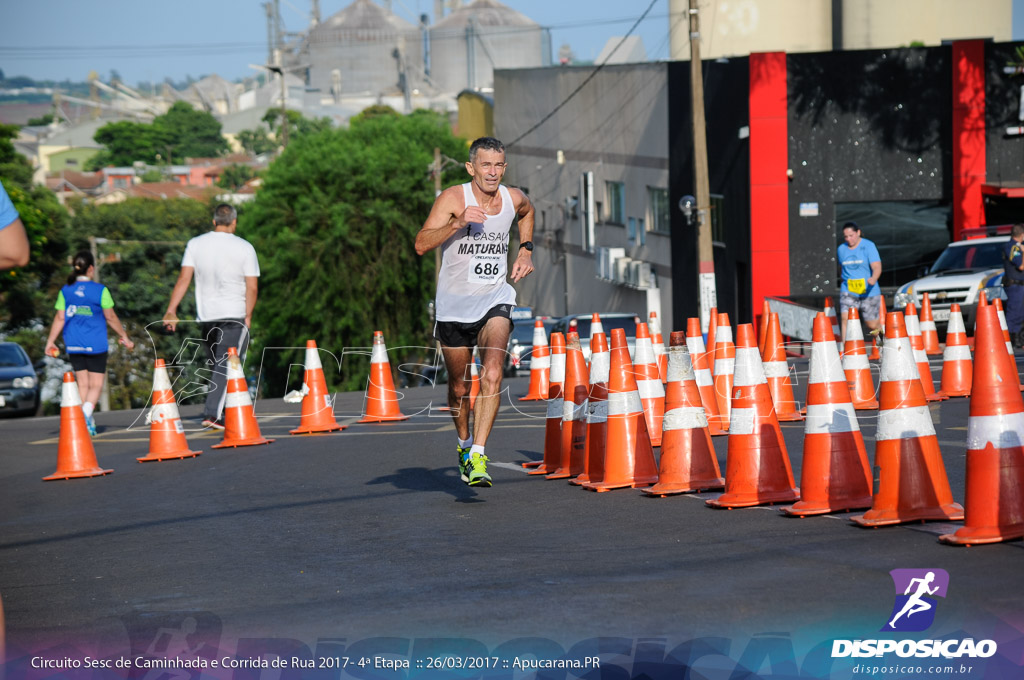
<point x="861" y="268"/>
<point x="14" y="250"/>
<point x="1013" y="284"/>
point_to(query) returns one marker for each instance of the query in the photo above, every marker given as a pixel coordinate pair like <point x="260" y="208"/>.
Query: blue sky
<point x="224" y="36"/>
<point x="148" y="41"/>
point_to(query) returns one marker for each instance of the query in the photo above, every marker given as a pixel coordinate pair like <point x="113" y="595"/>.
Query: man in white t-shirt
<point x="470" y="224"/>
<point x="226" y="271"/>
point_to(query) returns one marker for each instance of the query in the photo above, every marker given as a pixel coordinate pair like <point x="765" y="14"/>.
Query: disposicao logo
<point x="916" y="589"/>
<point x="913" y="611"/>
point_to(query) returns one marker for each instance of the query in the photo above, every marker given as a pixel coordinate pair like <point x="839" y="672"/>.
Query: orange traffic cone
<point x="725" y="361"/>
<point x="317" y="410"/>
<point x="597" y="409"/>
<point x="957" y="368"/>
<point x="757" y="464"/>
<point x="595" y="326"/>
<point x="762" y="329"/>
<point x="876" y="343"/>
<point x="924" y="369"/>
<point x="688" y="461"/>
<point x="553" y="425"/>
<point x="572" y="460"/>
<point x="705" y="383"/>
<point x="776" y="370"/>
<point x="856" y="366"/>
<point x="629" y="458"/>
<point x="648" y="383"/>
<point x="658" y="342"/>
<point x="995" y="444"/>
<point x="830" y="311"/>
<point x="381" y="398"/>
<point x="166" y="433"/>
<point x="540" y="365"/>
<point x="835" y="475"/>
<point x="474" y="380"/>
<point x="710" y="340"/>
<point x="912" y="481"/>
<point x="929" y="334"/>
<point x="75" y="454"/>
<point x="240" y="426"/>
<point x="998" y="302"/>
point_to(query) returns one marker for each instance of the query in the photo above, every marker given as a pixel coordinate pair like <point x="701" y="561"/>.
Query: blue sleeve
<point x="7" y="211"/>
<point x="872" y="253"/>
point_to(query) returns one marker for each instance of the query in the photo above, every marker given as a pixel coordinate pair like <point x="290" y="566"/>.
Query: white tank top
<point x="474" y="264"/>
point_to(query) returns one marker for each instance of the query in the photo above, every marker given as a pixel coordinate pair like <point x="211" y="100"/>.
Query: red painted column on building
<point x="968" y="134"/>
<point x="769" y="184"/>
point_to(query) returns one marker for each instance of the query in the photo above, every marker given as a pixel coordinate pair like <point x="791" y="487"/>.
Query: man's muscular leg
<point x="456" y="361"/>
<point x="492" y="347"/>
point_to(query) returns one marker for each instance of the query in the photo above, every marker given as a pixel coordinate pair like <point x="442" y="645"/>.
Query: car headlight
<point x="994" y="293"/>
<point x="901" y="300"/>
<point x="26" y="383"/>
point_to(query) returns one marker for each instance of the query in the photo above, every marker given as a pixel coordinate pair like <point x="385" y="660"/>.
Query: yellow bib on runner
<point x="857" y="286"/>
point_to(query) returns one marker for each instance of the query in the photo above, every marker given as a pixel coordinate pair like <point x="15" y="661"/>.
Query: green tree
<point x="181" y="132"/>
<point x="235" y="175"/>
<point x="297" y="123"/>
<point x="24" y="291"/>
<point x="334" y="224"/>
<point x="256" y="141"/>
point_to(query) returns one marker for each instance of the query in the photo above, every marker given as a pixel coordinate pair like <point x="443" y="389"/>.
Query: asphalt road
<point x="366" y="538"/>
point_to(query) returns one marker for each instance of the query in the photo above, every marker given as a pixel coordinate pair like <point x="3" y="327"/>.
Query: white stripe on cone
<point x="600" y="367"/>
<point x="624" y="403"/>
<point x="650" y="389"/>
<point x="904" y="423"/>
<point x="1001" y="431"/>
<point x="557" y="374"/>
<point x="898" y="361"/>
<point x="161" y="383"/>
<point x="956" y="353"/>
<point x="540" y="363"/>
<point x="775" y="369"/>
<point x="684" y="418"/>
<point x="742" y="421"/>
<point x="748" y="368"/>
<point x="235" y="399"/>
<point x="597" y="411"/>
<point x="69" y="395"/>
<point x="555" y="408"/>
<point x="573" y="411"/>
<point x="164" y="412"/>
<point x="825" y="364"/>
<point x="831" y="419"/>
<point x="703" y="377"/>
<point x="379" y="354"/>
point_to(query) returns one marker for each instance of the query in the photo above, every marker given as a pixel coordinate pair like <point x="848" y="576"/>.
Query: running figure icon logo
<point x="916" y="589"/>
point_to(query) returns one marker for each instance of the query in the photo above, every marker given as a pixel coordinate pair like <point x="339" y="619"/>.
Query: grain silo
<point x="363" y="50"/>
<point x="467" y="45"/>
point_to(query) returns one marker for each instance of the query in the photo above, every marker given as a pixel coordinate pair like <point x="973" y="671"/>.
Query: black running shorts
<point x="457" y="334"/>
<point x="94" y="363"/>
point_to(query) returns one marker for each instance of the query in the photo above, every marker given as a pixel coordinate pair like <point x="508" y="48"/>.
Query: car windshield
<point x="12" y="355"/>
<point x="987" y="255"/>
<point x="522" y="333"/>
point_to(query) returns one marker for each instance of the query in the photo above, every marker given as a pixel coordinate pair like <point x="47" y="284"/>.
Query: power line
<point x="585" y="80"/>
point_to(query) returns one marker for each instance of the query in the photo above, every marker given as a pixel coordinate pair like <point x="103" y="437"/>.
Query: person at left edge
<point x="84" y="308"/>
<point x="14" y="248"/>
<point x="1013" y="284"/>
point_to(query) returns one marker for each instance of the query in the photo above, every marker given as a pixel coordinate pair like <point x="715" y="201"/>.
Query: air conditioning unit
<point x="622" y="269"/>
<point x="606" y="258"/>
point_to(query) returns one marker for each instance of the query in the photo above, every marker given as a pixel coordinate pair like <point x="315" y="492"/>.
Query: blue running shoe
<point x="90" y="424"/>
<point x="463" y="462"/>
<point x="477" y="469"/>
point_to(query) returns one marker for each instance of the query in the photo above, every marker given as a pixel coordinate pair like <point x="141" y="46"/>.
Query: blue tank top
<point x="85" y="327"/>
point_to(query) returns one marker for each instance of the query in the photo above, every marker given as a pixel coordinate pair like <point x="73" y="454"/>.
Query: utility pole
<point x="437" y="192"/>
<point x="705" y="252"/>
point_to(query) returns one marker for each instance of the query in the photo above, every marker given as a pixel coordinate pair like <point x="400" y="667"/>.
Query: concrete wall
<point x="617" y="128"/>
<point x="736" y="28"/>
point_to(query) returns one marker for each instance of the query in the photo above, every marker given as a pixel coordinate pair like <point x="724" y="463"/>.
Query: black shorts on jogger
<point x="457" y="334"/>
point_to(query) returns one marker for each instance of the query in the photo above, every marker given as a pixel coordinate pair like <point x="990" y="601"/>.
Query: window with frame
<point x="658" y="201"/>
<point x="616" y="192"/>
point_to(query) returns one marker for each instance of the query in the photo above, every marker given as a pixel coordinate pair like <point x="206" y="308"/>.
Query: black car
<point x="19" y="385"/>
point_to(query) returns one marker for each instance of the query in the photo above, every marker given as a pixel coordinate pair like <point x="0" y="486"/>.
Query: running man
<point x="471" y="223"/>
<point x="915" y="604"/>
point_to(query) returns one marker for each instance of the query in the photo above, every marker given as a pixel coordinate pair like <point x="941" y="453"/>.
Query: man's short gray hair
<point x="224" y="214"/>
<point x="486" y="143"/>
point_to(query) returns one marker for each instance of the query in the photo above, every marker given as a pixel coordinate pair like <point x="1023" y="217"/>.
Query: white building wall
<point x="615" y="127"/>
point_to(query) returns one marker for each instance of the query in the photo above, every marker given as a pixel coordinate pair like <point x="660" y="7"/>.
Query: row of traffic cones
<point x="913" y="486"/>
<point x="76" y="456"/>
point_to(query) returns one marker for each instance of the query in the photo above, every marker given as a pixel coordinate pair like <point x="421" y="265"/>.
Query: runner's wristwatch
<point x="528" y="245"/>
